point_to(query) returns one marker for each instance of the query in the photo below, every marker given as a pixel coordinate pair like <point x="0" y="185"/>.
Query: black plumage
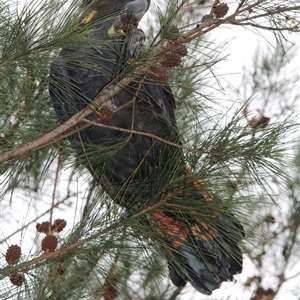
<point x="203" y="255"/>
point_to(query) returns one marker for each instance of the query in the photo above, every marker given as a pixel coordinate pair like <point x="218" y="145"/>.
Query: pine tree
<point x="76" y="243"/>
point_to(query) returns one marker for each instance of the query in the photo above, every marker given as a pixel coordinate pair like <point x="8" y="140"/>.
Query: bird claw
<point x="110" y="102"/>
<point x="136" y="40"/>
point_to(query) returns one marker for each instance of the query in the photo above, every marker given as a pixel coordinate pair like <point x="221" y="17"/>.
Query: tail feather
<point x="200" y="254"/>
<point x="207" y="271"/>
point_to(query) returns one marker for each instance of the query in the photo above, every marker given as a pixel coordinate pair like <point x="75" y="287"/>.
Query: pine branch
<point x="199" y="30"/>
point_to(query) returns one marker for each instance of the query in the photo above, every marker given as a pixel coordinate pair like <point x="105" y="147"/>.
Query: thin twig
<point x="59" y="162"/>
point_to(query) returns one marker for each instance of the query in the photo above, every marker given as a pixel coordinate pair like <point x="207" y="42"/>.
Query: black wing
<point x="79" y="75"/>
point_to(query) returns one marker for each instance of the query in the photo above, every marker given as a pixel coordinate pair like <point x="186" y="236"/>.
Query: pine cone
<point x="13" y="253"/>
<point x="220" y="10"/>
<point x="160" y="74"/>
<point x="105" y="114"/>
<point x="45" y="227"/>
<point x="59" y="225"/>
<point x="181" y="50"/>
<point x="49" y="243"/>
<point x="16" y="279"/>
<point x="171" y="60"/>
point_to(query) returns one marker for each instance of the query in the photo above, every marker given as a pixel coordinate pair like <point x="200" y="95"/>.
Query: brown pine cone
<point x="45" y="227"/>
<point x="177" y="47"/>
<point x="13" y="253"/>
<point x="16" y="279"/>
<point x="160" y="74"/>
<point x="49" y="243"/>
<point x="171" y="60"/>
<point x="220" y="10"/>
<point x="105" y="114"/>
<point x="59" y="225"/>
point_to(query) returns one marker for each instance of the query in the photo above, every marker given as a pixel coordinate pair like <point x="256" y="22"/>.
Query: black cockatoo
<point x="141" y="136"/>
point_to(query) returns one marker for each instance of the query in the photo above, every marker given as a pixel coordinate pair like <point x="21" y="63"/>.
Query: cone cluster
<point x="50" y="241"/>
<point x="47" y="228"/>
<point x="49" y="244"/>
<point x="171" y="57"/>
<point x="12" y="255"/>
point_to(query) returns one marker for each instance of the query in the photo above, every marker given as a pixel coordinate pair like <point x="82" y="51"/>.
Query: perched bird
<point x="137" y="128"/>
